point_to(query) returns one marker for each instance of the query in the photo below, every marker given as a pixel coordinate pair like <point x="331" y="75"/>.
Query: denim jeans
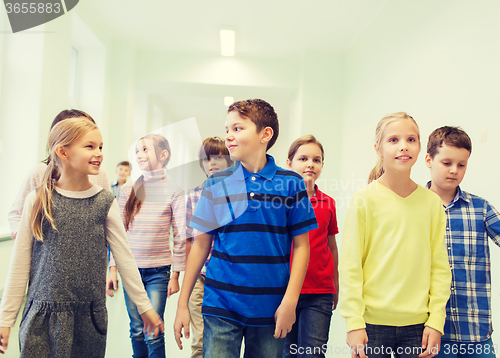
<point x="155" y="282"/>
<point x="405" y="341"/>
<point x="452" y="349"/>
<point x="309" y="334"/>
<point x="222" y="338"/>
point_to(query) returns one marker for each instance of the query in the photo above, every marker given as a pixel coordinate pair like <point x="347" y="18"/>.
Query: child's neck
<point x="446" y="195"/>
<point x="310" y="188"/>
<point x="121" y="181"/>
<point x="73" y="182"/>
<point x="256" y="164"/>
<point x="399" y="183"/>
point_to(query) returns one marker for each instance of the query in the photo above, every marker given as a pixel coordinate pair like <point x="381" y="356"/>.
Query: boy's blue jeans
<point x="309" y="334"/>
<point x="452" y="349"/>
<point x="223" y="337"/>
<point x="405" y="341"/>
<point x="155" y="282"/>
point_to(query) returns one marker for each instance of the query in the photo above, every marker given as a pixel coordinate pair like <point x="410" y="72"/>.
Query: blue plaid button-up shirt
<point x="470" y="220"/>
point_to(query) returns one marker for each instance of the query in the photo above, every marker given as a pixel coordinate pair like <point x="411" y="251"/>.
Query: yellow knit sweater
<point x="393" y="264"/>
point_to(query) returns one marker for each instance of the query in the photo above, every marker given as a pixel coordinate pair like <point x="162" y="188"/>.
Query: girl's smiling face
<point x="147" y="157"/>
<point x="308" y="161"/>
<point x="85" y="154"/>
<point x="400" y="146"/>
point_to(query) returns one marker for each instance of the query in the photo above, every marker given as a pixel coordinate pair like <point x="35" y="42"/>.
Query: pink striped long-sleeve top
<point x="163" y="208"/>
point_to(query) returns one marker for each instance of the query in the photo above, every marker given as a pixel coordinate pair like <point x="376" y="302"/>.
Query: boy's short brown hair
<point x="125" y="163"/>
<point x="452" y="136"/>
<point x="259" y="112"/>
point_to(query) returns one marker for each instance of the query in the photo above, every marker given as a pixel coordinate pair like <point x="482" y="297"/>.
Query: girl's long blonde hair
<point x="378" y="170"/>
<point x="63" y="134"/>
<point x="134" y="203"/>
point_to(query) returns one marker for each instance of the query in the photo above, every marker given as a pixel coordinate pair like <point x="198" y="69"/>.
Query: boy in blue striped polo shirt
<point x="253" y="211"/>
<point x="470" y="221"/>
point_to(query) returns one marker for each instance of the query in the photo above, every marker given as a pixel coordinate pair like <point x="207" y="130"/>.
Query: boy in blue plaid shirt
<point x="470" y="221"/>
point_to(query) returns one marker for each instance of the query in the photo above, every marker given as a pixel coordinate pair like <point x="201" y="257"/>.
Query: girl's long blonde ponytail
<point x="42" y="206"/>
<point x="377" y="171"/>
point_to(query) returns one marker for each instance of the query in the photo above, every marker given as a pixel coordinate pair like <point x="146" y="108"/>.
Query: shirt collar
<point x="459" y="195"/>
<point x="154" y="174"/>
<point x="319" y="196"/>
<point x="268" y="172"/>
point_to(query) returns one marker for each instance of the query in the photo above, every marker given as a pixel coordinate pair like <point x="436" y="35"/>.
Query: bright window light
<point x="227" y="42"/>
<point x="228" y="101"/>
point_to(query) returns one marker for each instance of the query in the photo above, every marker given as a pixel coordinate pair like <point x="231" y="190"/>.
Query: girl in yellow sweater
<point x="394" y="271"/>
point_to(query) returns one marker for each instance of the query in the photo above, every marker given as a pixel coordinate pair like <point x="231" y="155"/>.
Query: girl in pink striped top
<point x="149" y="208"/>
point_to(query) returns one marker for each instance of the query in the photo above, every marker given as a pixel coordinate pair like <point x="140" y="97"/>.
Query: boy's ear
<point x="267" y="134"/>
<point x="428" y="160"/>
<point x="289" y="163"/>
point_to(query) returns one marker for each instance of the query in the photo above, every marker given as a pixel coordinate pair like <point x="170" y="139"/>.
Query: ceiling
<point x="264" y="28"/>
<point x="277" y="29"/>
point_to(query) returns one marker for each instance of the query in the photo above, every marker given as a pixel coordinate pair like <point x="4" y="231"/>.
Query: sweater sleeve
<point x="29" y="184"/>
<point x="352" y="305"/>
<point x="125" y="262"/>
<point x="19" y="269"/>
<point x="179" y="230"/>
<point x="439" y="291"/>
<point x="122" y="200"/>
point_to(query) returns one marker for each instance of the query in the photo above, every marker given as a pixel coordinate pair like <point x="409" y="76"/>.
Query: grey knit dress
<point x="65" y="313"/>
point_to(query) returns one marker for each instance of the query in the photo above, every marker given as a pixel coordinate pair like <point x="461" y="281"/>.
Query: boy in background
<point x="254" y="210"/>
<point x="470" y="220"/>
<point x="123" y="170"/>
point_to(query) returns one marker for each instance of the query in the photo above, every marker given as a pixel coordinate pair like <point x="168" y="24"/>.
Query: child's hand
<point x="173" y="284"/>
<point x="357" y="340"/>
<point x="335" y="301"/>
<point x="111" y="281"/>
<point x="284" y="318"/>
<point x="4" y="338"/>
<point x="181" y="321"/>
<point x="152" y="323"/>
<point x="431" y="341"/>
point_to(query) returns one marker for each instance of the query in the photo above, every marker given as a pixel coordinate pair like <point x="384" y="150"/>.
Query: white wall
<point x="20" y="113"/>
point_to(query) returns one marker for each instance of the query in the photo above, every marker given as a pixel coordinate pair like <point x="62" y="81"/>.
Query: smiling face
<point x="242" y="138"/>
<point x="400" y="146"/>
<point x="214" y="164"/>
<point x="85" y="155"/>
<point x="147" y="157"/>
<point x="447" y="167"/>
<point x="308" y="162"/>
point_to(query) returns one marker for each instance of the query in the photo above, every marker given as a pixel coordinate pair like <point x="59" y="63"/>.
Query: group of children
<point x="260" y="243"/>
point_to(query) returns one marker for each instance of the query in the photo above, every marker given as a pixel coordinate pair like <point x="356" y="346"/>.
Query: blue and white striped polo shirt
<point x="253" y="217"/>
